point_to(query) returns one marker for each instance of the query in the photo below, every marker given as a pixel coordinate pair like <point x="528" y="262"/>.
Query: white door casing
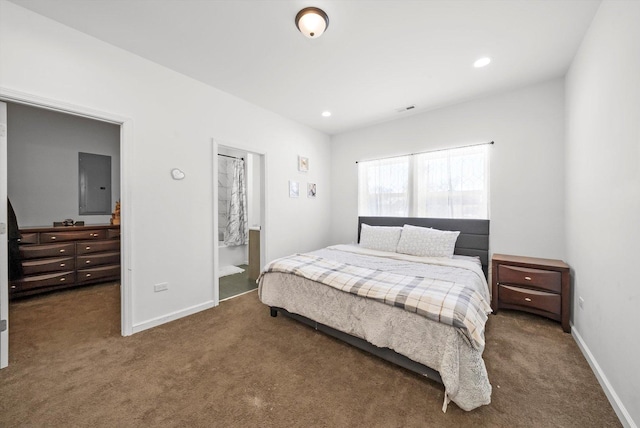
<point x="126" y="168"/>
<point x="4" y="260"/>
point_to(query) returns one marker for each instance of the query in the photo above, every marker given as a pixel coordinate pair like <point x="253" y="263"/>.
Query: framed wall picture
<point x="294" y="189"/>
<point x="303" y="164"/>
<point x="311" y="190"/>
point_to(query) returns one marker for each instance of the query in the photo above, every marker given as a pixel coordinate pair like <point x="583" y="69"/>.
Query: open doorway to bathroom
<point x="240" y="198"/>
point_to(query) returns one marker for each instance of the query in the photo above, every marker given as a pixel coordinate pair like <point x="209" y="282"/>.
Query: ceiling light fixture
<point x="312" y="22"/>
<point x="482" y="62"/>
<point x="326" y="113"/>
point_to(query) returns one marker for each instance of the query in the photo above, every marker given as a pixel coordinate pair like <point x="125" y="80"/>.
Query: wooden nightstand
<point x="539" y="286"/>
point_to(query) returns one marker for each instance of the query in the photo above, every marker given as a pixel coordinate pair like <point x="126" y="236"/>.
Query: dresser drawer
<point x="38" y="281"/>
<point x="97" y="247"/>
<point x="55" y="264"/>
<point x="544" y="279"/>
<point x="98" y="273"/>
<point x="49" y="250"/>
<point x="28" y="238"/>
<point x="72" y="235"/>
<point x="541" y="300"/>
<point x="98" y="259"/>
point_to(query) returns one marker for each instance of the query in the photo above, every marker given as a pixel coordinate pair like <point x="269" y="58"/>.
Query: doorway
<point x="239" y="219"/>
<point x="125" y="149"/>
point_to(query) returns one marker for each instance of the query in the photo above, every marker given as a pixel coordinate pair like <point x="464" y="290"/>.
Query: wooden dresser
<point x="62" y="257"/>
<point x="539" y="286"/>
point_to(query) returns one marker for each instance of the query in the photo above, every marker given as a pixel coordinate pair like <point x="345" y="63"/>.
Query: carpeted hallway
<point x="235" y="366"/>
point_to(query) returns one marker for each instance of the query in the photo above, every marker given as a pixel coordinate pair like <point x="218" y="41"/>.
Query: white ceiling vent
<point x="407" y="108"/>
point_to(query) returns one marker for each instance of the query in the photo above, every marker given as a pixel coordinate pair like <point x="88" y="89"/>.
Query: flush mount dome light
<point x="312" y="22"/>
<point x="482" y="62"/>
<point x="326" y="113"/>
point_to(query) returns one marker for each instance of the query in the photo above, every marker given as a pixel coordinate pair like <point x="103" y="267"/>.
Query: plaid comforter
<point x="446" y="302"/>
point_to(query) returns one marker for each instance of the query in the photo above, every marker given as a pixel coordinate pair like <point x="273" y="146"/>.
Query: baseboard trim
<point x="172" y="316"/>
<point x="616" y="403"/>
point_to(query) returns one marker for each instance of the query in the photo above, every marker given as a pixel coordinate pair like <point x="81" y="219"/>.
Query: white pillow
<point x="427" y="242"/>
<point x="381" y="238"/>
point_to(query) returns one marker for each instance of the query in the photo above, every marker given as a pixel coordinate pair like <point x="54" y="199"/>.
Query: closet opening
<point x="67" y="283"/>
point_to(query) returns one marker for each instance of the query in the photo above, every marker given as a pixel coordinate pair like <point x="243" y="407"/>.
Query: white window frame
<point x="465" y="196"/>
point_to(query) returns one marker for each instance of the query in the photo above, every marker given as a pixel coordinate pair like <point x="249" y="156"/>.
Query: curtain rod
<point x="428" y="151"/>
<point x="228" y="156"/>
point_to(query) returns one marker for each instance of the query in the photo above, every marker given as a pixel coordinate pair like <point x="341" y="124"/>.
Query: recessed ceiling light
<point x="482" y="62"/>
<point x="326" y="113"/>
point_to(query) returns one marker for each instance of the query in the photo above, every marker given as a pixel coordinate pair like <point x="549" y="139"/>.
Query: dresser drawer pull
<point x="62" y="251"/>
<point x="88" y="261"/>
<point x="87" y="248"/>
<point x="53" y="237"/>
<point x="527" y="299"/>
<point x="62" y="265"/>
<point x="528" y="278"/>
<point x="62" y="279"/>
<point x="88" y="275"/>
<point x="13" y="287"/>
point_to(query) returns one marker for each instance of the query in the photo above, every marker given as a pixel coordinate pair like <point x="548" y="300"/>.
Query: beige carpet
<point x="235" y="366"/>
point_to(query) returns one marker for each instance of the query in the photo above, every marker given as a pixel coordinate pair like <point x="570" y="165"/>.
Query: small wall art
<point x="294" y="189"/>
<point x="311" y="190"/>
<point x="303" y="164"/>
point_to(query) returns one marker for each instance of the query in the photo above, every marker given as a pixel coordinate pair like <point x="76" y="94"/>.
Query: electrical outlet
<point x="581" y="302"/>
<point x="163" y="286"/>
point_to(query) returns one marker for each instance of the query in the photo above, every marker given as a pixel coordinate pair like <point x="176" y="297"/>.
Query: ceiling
<point x="376" y="57"/>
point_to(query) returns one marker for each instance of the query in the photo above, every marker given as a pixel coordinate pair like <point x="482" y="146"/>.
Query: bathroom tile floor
<point x="239" y="283"/>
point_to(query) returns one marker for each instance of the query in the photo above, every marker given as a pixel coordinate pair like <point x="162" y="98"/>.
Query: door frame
<point x="264" y="227"/>
<point x="126" y="169"/>
<point x="4" y="251"/>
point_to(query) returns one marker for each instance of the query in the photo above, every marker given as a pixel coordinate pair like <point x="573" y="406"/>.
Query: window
<point x="450" y="183"/>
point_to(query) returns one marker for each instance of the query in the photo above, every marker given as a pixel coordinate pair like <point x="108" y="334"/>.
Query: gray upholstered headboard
<point x="473" y="239"/>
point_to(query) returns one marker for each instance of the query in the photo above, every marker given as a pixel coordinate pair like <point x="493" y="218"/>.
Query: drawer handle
<point x="527" y="299"/>
<point x="528" y="278"/>
<point x="88" y="275"/>
<point x="53" y="237"/>
<point x="62" y="279"/>
<point x="62" y="251"/>
<point x="87" y="248"/>
<point x="62" y="264"/>
<point x="13" y="287"/>
<point x="88" y="261"/>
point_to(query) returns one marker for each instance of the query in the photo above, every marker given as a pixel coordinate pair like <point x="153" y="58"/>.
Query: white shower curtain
<point x="236" y="232"/>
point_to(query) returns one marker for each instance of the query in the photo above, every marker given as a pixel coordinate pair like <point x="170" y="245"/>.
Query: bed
<point x="448" y="353"/>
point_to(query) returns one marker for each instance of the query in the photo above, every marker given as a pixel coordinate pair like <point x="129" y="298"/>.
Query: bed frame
<point x="473" y="241"/>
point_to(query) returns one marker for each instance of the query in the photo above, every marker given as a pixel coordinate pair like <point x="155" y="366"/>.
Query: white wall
<point x="527" y="161"/>
<point x="42" y="157"/>
<point x="603" y="196"/>
<point x="174" y="118"/>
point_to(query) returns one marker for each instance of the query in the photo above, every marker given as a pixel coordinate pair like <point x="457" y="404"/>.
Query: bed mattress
<point x="439" y="346"/>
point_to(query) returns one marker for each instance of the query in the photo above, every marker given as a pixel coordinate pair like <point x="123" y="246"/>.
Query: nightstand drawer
<point x="536" y="278"/>
<point x="541" y="300"/>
